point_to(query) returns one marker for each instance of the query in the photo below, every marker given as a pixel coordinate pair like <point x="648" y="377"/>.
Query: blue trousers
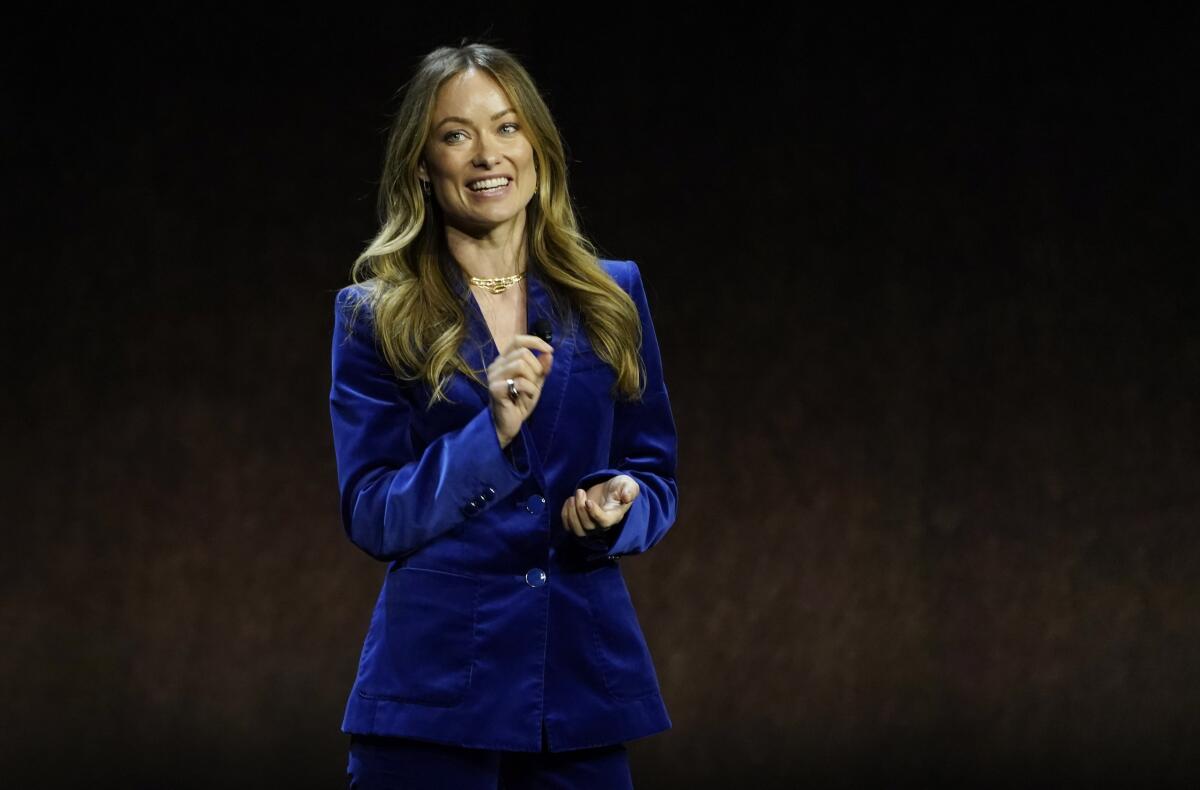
<point x="386" y="763"/>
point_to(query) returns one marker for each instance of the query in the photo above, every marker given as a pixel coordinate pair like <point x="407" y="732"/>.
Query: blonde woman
<point x="503" y="438"/>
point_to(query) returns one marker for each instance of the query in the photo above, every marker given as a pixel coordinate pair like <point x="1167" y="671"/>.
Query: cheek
<point x="440" y="165"/>
<point x="445" y="180"/>
<point x="530" y="169"/>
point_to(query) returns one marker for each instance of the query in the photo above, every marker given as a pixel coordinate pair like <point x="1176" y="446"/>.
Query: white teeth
<point x="489" y="183"/>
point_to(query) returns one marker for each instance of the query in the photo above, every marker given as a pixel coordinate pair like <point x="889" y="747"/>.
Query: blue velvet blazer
<point x="495" y="627"/>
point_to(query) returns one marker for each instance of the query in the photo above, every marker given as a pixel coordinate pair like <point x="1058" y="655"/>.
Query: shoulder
<point x="625" y="273"/>
<point x="352" y="294"/>
<point x="352" y="306"/>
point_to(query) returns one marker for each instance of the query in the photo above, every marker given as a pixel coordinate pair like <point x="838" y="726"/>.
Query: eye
<point x="509" y="128"/>
<point x="451" y="137"/>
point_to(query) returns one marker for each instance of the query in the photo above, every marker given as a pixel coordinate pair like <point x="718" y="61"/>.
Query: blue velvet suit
<point x="493" y="622"/>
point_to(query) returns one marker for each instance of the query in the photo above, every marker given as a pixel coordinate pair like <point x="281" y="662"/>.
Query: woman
<point x="501" y="474"/>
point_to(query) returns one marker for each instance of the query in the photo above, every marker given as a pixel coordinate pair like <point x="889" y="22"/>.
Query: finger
<point x="541" y="365"/>
<point x="529" y="341"/>
<point x="525" y="389"/>
<point x="600" y="517"/>
<point x="585" y="518"/>
<point x="626" y="488"/>
<point x="568" y="515"/>
<point x="512" y="368"/>
<point x="522" y="353"/>
<point x="520" y="367"/>
<point x="573" y="519"/>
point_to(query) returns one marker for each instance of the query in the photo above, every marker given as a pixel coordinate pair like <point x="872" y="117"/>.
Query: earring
<point x="425" y="187"/>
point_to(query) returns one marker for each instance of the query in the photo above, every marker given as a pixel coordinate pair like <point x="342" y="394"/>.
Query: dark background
<point x="926" y="292"/>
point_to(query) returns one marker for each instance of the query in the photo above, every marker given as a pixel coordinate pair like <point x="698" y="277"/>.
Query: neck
<point x="499" y="252"/>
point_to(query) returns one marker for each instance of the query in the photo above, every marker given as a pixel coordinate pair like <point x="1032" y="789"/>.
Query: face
<point x="478" y="160"/>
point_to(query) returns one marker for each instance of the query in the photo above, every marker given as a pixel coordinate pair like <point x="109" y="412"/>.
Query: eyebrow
<point x="457" y="119"/>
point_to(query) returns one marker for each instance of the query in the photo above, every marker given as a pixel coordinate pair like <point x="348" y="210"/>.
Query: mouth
<point x="489" y="186"/>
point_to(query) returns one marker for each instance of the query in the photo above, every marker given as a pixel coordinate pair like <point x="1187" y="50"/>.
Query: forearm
<point x="390" y="512"/>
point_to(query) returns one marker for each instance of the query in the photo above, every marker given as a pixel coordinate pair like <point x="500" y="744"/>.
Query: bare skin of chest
<point x="504" y="314"/>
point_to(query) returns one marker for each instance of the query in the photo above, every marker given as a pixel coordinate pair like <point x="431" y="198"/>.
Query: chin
<point x="492" y="219"/>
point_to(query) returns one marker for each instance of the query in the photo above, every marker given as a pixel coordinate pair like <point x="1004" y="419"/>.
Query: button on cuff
<point x="535" y="504"/>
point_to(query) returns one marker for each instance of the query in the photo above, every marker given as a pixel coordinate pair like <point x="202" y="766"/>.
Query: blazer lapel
<point x="479" y="349"/>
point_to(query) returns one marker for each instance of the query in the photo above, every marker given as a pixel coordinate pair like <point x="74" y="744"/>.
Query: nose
<point x="485" y="154"/>
<point x="487" y="160"/>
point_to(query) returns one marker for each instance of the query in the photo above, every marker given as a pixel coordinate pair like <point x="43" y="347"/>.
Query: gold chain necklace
<point x="497" y="284"/>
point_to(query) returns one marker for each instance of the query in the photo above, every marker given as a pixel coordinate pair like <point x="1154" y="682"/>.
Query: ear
<point x="421" y="172"/>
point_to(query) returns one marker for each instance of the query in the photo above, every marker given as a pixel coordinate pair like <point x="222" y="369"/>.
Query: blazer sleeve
<point x="393" y="501"/>
<point x="644" y="446"/>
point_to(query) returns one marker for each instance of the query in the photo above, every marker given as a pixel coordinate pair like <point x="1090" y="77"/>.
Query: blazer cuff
<point x="488" y="465"/>
<point x="515" y="453"/>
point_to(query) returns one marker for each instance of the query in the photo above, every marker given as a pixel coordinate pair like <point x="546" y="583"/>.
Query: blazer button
<point x="488" y="494"/>
<point x="471" y="508"/>
<point x="536" y="577"/>
<point x="535" y="504"/>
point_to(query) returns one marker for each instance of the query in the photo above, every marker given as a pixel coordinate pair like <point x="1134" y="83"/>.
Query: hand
<point x="593" y="511"/>
<point x="527" y="372"/>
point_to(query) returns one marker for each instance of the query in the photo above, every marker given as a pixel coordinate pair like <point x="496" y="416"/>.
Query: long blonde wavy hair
<point x="419" y="319"/>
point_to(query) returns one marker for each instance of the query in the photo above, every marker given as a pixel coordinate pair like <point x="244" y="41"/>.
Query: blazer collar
<point x="479" y="349"/>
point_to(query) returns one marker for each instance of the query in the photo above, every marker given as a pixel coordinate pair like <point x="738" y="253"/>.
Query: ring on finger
<point x="512" y="391"/>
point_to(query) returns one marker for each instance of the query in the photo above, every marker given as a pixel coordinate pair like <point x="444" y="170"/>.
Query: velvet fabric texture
<point x="493" y="622"/>
<point x="381" y="763"/>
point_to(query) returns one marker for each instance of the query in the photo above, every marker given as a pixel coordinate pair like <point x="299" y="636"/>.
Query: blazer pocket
<point x="620" y="647"/>
<point x="429" y="633"/>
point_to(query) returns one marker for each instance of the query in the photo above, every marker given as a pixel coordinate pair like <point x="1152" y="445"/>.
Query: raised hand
<point x="527" y="372"/>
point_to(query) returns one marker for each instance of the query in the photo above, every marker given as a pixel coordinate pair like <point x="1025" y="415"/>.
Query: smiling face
<point x="478" y="159"/>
